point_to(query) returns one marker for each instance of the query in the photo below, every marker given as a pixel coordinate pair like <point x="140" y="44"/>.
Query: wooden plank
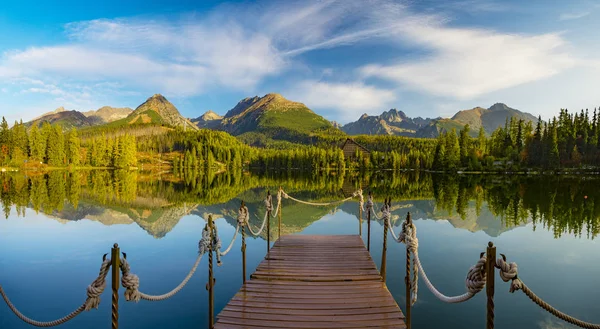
<point x="312" y="281"/>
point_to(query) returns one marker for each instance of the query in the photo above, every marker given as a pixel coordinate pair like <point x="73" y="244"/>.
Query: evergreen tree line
<point x="570" y="141"/>
<point x="50" y="145"/>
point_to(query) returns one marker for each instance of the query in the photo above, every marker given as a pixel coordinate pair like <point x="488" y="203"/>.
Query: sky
<point x="427" y="58"/>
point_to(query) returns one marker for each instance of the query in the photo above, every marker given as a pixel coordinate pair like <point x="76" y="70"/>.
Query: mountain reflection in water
<point x="156" y="202"/>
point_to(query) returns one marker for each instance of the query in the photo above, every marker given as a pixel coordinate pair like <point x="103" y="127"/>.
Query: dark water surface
<point x="59" y="225"/>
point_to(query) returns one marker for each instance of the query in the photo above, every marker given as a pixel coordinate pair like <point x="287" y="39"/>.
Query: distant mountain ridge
<point x="108" y="114"/>
<point x="60" y="116"/>
<point x="490" y="119"/>
<point x="392" y="122"/>
<point x="155" y="110"/>
<point x="209" y="120"/>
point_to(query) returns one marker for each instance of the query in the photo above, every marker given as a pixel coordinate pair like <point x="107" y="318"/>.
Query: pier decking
<point x="314" y="281"/>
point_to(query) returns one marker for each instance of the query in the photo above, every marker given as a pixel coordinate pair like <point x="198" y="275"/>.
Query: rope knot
<point x="205" y="243"/>
<point x="269" y="202"/>
<point x="97" y="287"/>
<point x="243" y="216"/>
<point x="130" y="282"/>
<point x="370" y="202"/>
<point x="216" y="245"/>
<point x="361" y="199"/>
<point x="509" y="271"/>
<point x="476" y="279"/>
<point x="386" y="213"/>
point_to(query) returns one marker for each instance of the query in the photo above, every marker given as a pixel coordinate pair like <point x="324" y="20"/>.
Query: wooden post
<point x="384" y="250"/>
<point x="360" y="221"/>
<point x="116" y="268"/>
<point x="279" y="213"/>
<point x="243" y="248"/>
<point x="269" y="222"/>
<point x="407" y="279"/>
<point x="369" y="226"/>
<point x="211" y="280"/>
<point x="490" y="273"/>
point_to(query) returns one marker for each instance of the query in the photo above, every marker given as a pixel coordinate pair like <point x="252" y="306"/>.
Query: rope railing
<point x="94" y="291"/>
<point x="131" y="282"/>
<point x="474" y="281"/>
<point x="509" y="272"/>
<point x="357" y="193"/>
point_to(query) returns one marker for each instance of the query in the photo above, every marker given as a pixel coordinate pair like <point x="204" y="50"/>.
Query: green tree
<point x="453" y="150"/>
<point x="73" y="148"/>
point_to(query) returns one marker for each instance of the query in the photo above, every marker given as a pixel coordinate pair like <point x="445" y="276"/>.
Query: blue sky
<point x="341" y="58"/>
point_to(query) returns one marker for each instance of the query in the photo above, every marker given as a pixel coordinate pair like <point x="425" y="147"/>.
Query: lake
<point x="59" y="225"/>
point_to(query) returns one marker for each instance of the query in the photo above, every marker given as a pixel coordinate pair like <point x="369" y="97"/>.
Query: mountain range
<point x="256" y="120"/>
<point x="392" y="122"/>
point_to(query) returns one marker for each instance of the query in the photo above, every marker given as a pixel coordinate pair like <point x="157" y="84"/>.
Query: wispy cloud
<point x="465" y="63"/>
<point x="570" y="16"/>
<point x="475" y="6"/>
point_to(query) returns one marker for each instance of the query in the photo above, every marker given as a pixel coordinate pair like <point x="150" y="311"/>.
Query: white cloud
<point x="570" y="16"/>
<point x="181" y="58"/>
<point x="348" y="99"/>
<point x="466" y="63"/>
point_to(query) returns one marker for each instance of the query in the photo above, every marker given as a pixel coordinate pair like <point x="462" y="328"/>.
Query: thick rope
<point x="269" y="203"/>
<point x="261" y="227"/>
<point x="286" y="196"/>
<point x="370" y="206"/>
<point x="131" y="282"/>
<point x="361" y="199"/>
<point x="474" y="282"/>
<point x="386" y="214"/>
<point x="509" y="271"/>
<point x="93" y="300"/>
<point x="223" y="253"/>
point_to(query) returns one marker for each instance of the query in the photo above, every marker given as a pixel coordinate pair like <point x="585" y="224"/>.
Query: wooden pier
<point x="314" y="281"/>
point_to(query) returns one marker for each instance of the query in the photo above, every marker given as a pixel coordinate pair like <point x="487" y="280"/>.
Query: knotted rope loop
<point x="269" y="202"/>
<point x="97" y="287"/>
<point x="509" y="271"/>
<point x="243" y="216"/>
<point x="216" y="245"/>
<point x="130" y="282"/>
<point x="476" y="279"/>
<point x="361" y="199"/>
<point x="93" y="300"/>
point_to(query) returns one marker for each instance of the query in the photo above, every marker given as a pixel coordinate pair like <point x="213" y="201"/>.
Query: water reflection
<point x="157" y="201"/>
<point x="44" y="258"/>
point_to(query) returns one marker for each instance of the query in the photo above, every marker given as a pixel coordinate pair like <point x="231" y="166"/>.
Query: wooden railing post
<point x="279" y="214"/>
<point x="116" y="268"/>
<point x="360" y="220"/>
<point x="490" y="273"/>
<point x="211" y="280"/>
<point x="269" y="221"/>
<point x="407" y="279"/>
<point x="387" y="203"/>
<point x="243" y="248"/>
<point x="369" y="225"/>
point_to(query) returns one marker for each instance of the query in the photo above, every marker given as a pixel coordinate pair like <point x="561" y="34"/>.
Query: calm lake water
<point x="59" y="225"/>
